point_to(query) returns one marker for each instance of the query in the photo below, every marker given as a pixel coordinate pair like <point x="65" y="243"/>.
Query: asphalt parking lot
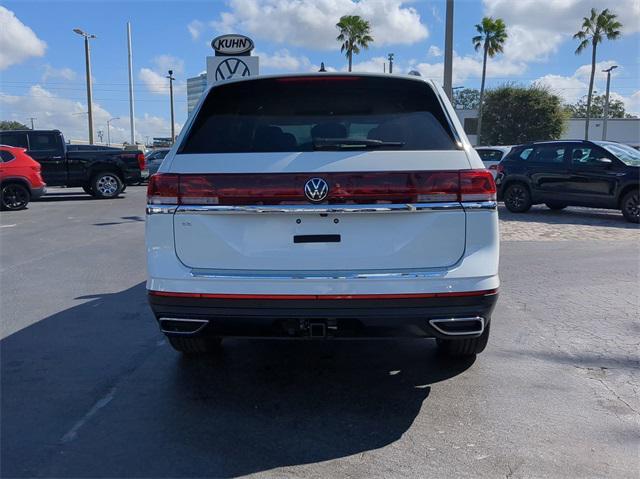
<point x="91" y="389"/>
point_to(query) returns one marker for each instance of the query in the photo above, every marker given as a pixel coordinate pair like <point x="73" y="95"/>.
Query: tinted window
<point x="301" y="113"/>
<point x="490" y="155"/>
<point x="524" y="154"/>
<point x="471" y="126"/>
<point x="42" y="141"/>
<point x="628" y="155"/>
<point x="548" y="154"/>
<point x="6" y="156"/>
<point x="13" y="139"/>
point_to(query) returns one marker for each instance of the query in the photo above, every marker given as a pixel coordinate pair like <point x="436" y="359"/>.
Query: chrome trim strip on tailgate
<point x="320" y="209"/>
<point x="319" y="275"/>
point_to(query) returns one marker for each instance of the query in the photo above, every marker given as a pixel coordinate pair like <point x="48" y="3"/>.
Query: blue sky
<point x="42" y="61"/>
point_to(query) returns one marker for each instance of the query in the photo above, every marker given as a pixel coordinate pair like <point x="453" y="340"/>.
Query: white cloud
<point x="572" y="88"/>
<point x="434" y="51"/>
<point x="631" y="102"/>
<point x="282" y="61"/>
<point x="17" y="41"/>
<point x="165" y="63"/>
<point x="312" y="24"/>
<point x="155" y="82"/>
<point x="470" y="66"/>
<point x="536" y="29"/>
<point x="373" y="65"/>
<point x="61" y="73"/>
<point x="155" y="78"/>
<point x="69" y="116"/>
<point x="195" y="29"/>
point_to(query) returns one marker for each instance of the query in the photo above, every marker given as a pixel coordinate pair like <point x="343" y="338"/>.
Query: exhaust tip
<point x="182" y="325"/>
<point x="459" y="326"/>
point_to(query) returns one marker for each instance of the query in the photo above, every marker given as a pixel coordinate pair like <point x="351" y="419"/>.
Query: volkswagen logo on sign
<point x="316" y="189"/>
<point x="232" y="68"/>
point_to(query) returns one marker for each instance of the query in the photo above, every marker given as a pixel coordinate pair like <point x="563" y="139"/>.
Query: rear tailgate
<point x="283" y="231"/>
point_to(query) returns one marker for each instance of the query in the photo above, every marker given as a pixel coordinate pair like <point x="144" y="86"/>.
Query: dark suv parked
<point x="598" y="174"/>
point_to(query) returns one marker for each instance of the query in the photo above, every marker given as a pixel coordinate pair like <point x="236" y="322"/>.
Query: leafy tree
<point x="354" y="34"/>
<point x="515" y="115"/>
<point x="595" y="29"/>
<point x="466" y="99"/>
<point x="579" y="109"/>
<point x="12" y="125"/>
<point x="491" y="37"/>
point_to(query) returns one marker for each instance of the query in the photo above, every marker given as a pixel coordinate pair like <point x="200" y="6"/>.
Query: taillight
<point x="477" y="185"/>
<point x="163" y="189"/>
<point x="141" y="160"/>
<point x="344" y="188"/>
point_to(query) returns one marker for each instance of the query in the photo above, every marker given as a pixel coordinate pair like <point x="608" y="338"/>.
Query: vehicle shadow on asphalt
<point x="95" y="391"/>
<point x="568" y="216"/>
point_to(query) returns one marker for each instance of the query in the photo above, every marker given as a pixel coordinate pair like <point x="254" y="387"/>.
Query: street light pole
<point x="390" y="56"/>
<point x="109" y="129"/>
<point x="448" y="52"/>
<point x="173" y="124"/>
<point x="132" y="120"/>
<point x="87" y="58"/>
<point x="606" y="101"/>
<point x="32" y="125"/>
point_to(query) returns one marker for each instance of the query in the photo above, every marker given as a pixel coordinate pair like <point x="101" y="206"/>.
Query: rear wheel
<point x="464" y="347"/>
<point x="556" y="206"/>
<point x="630" y="206"/>
<point x="106" y="184"/>
<point x="195" y="345"/>
<point x="15" y="196"/>
<point x="517" y="198"/>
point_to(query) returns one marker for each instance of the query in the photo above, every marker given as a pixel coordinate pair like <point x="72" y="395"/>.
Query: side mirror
<point x="604" y="161"/>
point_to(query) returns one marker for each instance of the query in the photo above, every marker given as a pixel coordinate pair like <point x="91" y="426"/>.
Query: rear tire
<point x="517" y="198"/>
<point x="14" y="197"/>
<point x="106" y="184"/>
<point x="195" y="345"/>
<point x="556" y="206"/>
<point x="630" y="206"/>
<point x="460" y="348"/>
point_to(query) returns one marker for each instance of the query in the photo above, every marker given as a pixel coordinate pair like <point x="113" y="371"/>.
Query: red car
<point x="20" y="179"/>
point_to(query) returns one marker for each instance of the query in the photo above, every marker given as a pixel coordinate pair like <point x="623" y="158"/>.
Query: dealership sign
<point x="232" y="45"/>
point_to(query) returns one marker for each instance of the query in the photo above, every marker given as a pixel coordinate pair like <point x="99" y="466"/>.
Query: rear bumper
<point x="38" y="192"/>
<point x="364" y="316"/>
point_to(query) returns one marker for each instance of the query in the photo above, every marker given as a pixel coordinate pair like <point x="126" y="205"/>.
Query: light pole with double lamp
<point x="87" y="58"/>
<point x="606" y="101"/>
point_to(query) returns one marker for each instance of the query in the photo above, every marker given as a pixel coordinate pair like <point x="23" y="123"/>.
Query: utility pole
<point x="32" y="118"/>
<point x="132" y="121"/>
<point x="173" y="124"/>
<point x="606" y="101"/>
<point x="390" y="56"/>
<point x="448" y="52"/>
<point x="109" y="129"/>
<point x="87" y="59"/>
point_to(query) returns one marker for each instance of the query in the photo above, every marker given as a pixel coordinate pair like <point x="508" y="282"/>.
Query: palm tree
<point x="354" y="34"/>
<point x="491" y="37"/>
<point x="595" y="29"/>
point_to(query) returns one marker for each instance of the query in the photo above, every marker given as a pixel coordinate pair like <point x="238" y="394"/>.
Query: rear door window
<point x="6" y="156"/>
<point x="14" y="139"/>
<point x="553" y="154"/>
<point x="42" y="141"/>
<point x="490" y="155"/>
<point x="311" y="113"/>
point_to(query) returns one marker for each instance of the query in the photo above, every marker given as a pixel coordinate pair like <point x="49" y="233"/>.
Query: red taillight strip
<point x="486" y="292"/>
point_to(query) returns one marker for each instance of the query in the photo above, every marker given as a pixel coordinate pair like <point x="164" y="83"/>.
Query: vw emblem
<point x="316" y="189"/>
<point x="232" y="68"/>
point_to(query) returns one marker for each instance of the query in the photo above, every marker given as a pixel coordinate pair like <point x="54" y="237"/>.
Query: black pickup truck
<point x="101" y="173"/>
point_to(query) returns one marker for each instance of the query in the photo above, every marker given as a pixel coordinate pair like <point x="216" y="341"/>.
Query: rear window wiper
<point x="352" y="144"/>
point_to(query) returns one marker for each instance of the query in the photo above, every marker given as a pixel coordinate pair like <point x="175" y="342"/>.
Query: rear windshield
<point x="320" y="113"/>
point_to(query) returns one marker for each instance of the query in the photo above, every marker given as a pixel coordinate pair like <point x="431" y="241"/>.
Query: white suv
<point x="323" y="206"/>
